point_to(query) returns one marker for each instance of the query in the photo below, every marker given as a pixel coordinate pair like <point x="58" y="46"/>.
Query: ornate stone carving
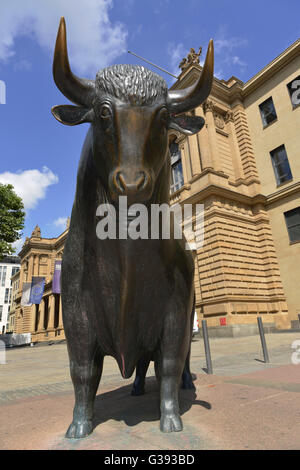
<point x="219" y="120"/>
<point x="208" y="105"/>
<point x="229" y="116"/>
<point x="192" y="58"/>
<point x="36" y="233"/>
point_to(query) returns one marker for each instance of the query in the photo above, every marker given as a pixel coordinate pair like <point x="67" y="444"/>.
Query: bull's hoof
<point x="79" y="429"/>
<point x="170" y="423"/>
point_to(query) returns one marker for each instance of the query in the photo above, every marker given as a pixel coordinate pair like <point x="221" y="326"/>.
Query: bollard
<point x="206" y="347"/>
<point x="262" y="339"/>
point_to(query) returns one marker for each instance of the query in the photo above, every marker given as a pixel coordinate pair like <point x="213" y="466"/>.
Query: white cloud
<point x="30" y="185"/>
<point x="93" y="41"/>
<point x="61" y="222"/>
<point x="228" y="44"/>
<point x="237" y="61"/>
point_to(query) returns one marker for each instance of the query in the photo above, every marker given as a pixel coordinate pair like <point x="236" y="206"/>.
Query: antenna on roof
<point x="142" y="58"/>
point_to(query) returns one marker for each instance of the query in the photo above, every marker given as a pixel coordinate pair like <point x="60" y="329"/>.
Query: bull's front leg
<point x="85" y="373"/>
<point x="169" y="368"/>
<point x="86" y="363"/>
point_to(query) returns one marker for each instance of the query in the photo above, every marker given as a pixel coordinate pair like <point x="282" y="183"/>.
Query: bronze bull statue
<point x="127" y="298"/>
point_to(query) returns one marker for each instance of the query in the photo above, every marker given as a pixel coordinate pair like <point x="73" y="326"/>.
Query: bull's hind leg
<point x="141" y="371"/>
<point x="169" y="367"/>
<point x="187" y="376"/>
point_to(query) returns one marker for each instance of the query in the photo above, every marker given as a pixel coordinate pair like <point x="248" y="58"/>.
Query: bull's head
<point x="131" y="111"/>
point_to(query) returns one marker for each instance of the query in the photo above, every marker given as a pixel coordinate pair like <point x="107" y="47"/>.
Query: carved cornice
<point x="208" y="105"/>
<point x="229" y="117"/>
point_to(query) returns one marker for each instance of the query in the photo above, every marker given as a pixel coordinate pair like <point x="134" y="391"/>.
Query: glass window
<point x="294" y="91"/>
<point x="6" y="296"/>
<point x="14" y="270"/>
<point x="281" y="165"/>
<point x="267" y="112"/>
<point x="176" y="168"/>
<point x="3" y="276"/>
<point x="292" y="219"/>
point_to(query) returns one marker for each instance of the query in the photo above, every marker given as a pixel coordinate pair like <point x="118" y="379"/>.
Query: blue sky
<point x="39" y="155"/>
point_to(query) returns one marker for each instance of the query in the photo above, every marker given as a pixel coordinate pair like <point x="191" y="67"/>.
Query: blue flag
<point x="37" y="289"/>
<point x="56" y="277"/>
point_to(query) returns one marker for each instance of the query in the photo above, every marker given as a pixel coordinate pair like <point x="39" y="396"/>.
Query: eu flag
<point x="37" y="289"/>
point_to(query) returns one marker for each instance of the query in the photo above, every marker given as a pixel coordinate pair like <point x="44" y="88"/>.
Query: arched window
<point x="176" y="168"/>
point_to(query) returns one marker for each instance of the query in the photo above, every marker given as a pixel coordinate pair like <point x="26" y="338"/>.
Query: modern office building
<point x="8" y="267"/>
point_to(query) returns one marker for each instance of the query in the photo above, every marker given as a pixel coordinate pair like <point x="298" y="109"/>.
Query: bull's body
<point x="123" y="290"/>
<point x="130" y="299"/>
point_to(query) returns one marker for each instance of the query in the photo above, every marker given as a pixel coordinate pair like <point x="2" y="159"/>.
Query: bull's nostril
<point x="141" y="181"/>
<point x="119" y="181"/>
<point x="122" y="185"/>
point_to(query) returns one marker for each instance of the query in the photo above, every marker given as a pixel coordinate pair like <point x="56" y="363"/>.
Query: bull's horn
<point x="78" y="90"/>
<point x="180" y="101"/>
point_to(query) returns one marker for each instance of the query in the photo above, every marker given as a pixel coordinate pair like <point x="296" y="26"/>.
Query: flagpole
<point x="151" y="63"/>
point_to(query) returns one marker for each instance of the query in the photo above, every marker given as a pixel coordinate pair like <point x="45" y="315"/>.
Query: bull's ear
<point x="187" y="125"/>
<point x="72" y="115"/>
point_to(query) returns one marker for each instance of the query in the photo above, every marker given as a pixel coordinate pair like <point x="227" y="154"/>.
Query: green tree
<point x="12" y="217"/>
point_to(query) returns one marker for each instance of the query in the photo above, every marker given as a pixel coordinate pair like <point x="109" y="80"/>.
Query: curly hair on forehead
<point x="132" y="83"/>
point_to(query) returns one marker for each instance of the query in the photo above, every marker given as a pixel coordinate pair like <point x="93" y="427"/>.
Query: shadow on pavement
<point x="119" y="405"/>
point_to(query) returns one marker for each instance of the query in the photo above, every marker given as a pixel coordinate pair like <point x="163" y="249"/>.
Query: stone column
<point x="194" y="153"/>
<point x="49" y="268"/>
<point x="187" y="159"/>
<point x="208" y="107"/>
<point x="36" y="265"/>
<point x="30" y="268"/>
<point x="183" y="162"/>
<point x="32" y="318"/>
<point x="60" y="319"/>
<point x="203" y="140"/>
<point x="42" y="315"/>
<point x="51" y="312"/>
<point x="236" y="159"/>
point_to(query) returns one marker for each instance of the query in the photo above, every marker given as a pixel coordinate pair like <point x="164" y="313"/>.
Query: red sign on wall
<point x="223" y="321"/>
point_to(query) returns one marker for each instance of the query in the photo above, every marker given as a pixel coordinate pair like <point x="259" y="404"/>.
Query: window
<point x="14" y="271"/>
<point x="1" y="310"/>
<point x="267" y="112"/>
<point x="6" y="295"/>
<point x="281" y="165"/>
<point x="3" y="276"/>
<point x="292" y="219"/>
<point x="176" y="168"/>
<point x="294" y="91"/>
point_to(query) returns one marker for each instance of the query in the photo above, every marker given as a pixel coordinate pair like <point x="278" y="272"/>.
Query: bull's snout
<point x="130" y="184"/>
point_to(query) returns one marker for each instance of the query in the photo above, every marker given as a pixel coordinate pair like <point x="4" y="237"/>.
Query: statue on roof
<point x="192" y="58"/>
<point x="37" y="232"/>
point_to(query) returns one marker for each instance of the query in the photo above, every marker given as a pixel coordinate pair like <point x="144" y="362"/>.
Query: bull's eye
<point x="106" y="117"/>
